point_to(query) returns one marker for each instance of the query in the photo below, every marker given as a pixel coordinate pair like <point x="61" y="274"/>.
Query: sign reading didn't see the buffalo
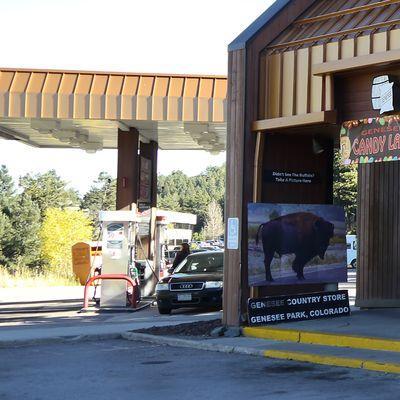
<point x="296" y="244"/>
<point x="305" y="178"/>
<point x="301" y="307"/>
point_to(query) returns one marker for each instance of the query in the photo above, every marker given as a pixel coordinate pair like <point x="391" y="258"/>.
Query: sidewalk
<point x="35" y="294"/>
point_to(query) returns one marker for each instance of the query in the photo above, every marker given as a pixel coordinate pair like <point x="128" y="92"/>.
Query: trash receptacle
<point x="85" y="255"/>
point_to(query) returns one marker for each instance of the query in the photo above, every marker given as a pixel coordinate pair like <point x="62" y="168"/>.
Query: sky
<point x="147" y="36"/>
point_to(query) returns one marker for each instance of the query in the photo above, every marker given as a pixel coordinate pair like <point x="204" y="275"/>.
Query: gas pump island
<point x="121" y="282"/>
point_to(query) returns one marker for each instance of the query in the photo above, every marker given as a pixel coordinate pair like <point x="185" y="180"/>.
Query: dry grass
<point x="26" y="277"/>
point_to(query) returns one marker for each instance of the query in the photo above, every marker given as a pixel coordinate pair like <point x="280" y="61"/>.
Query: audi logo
<point x="186" y="286"/>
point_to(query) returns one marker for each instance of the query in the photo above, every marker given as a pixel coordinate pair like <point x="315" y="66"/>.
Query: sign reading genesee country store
<point x="371" y="140"/>
<point x="301" y="307"/>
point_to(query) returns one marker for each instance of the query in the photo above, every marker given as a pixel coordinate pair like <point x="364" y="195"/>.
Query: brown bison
<point x="303" y="234"/>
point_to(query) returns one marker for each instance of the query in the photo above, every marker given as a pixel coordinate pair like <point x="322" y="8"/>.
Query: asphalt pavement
<point x="117" y="369"/>
<point x="339" y="341"/>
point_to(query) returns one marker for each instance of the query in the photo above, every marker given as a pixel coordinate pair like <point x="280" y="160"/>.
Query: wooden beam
<point x="349" y="64"/>
<point x="339" y="34"/>
<point x="234" y="183"/>
<point x="322" y="117"/>
<point x="340" y="13"/>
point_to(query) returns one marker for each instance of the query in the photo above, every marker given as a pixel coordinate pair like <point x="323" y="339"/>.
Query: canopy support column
<point x="128" y="169"/>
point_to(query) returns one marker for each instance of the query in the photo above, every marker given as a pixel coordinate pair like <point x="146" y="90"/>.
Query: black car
<point x="196" y="282"/>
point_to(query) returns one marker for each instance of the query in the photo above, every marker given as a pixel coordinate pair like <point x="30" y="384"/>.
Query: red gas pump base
<point x="131" y="297"/>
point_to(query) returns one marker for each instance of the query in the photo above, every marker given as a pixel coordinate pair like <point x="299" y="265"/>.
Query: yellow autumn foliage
<point x="61" y="229"/>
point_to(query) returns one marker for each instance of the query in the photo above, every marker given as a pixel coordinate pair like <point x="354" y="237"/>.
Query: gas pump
<point x="118" y="229"/>
<point x="120" y="241"/>
<point x="153" y="270"/>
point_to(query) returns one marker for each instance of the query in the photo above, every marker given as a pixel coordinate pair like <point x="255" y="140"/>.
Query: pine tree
<point x="23" y="247"/>
<point x="100" y="197"/>
<point x="48" y="190"/>
<point x="345" y="190"/>
<point x="7" y="200"/>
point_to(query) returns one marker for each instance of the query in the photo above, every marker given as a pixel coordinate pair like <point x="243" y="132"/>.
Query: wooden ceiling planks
<point x="328" y="21"/>
<point x="326" y="33"/>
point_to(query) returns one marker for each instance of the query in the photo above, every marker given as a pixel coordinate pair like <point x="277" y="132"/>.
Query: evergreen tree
<point x="101" y="196"/>
<point x="6" y="235"/>
<point x="7" y="191"/>
<point x="178" y="192"/>
<point x="23" y="247"/>
<point x="7" y="199"/>
<point x="345" y="190"/>
<point x="48" y="190"/>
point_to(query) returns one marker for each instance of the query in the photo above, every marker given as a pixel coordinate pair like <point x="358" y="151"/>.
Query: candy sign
<point x="370" y="140"/>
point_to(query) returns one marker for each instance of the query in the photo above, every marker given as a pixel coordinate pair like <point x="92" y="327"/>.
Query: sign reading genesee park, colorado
<point x="271" y="310"/>
<point x="370" y="140"/>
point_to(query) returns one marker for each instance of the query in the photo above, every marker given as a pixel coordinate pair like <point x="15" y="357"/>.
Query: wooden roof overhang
<point x="178" y="111"/>
<point x="330" y="37"/>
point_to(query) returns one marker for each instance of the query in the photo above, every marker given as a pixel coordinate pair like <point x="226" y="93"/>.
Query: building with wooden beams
<point x="300" y="71"/>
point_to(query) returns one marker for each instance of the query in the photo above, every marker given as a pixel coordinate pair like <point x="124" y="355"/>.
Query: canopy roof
<point x="51" y="108"/>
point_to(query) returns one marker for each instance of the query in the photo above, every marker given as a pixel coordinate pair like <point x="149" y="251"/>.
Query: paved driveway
<point x="118" y="369"/>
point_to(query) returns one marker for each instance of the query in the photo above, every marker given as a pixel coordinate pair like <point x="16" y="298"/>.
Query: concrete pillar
<point x="128" y="169"/>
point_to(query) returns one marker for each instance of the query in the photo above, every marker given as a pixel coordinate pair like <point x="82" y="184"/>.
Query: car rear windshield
<point x="201" y="263"/>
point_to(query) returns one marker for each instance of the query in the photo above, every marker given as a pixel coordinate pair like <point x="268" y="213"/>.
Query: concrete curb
<point x="324" y="339"/>
<point x="194" y="344"/>
<point x="334" y="361"/>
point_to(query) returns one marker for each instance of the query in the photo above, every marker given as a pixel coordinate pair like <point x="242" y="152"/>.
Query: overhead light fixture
<point x="63" y="136"/>
<point x="195" y="135"/>
<point x="78" y="139"/>
<point x="317" y="146"/>
<point x="92" y="147"/>
<point x="45" y="126"/>
<point x="203" y="141"/>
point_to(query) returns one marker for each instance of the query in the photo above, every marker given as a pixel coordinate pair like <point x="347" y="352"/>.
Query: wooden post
<point x="378" y="234"/>
<point x="128" y="169"/>
<point x="234" y="185"/>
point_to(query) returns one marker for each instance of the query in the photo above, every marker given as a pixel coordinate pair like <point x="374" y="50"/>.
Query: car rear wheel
<point x="354" y="264"/>
<point x="164" y="310"/>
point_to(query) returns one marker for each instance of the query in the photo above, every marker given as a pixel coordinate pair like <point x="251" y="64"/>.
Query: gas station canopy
<point x="79" y="109"/>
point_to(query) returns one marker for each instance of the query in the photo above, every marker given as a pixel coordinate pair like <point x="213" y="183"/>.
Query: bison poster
<point x="296" y="244"/>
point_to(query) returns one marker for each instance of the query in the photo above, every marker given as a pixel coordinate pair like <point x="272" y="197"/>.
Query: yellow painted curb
<point x="325" y="339"/>
<point x="272" y="334"/>
<point x="333" y="361"/>
<point x="382" y="367"/>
